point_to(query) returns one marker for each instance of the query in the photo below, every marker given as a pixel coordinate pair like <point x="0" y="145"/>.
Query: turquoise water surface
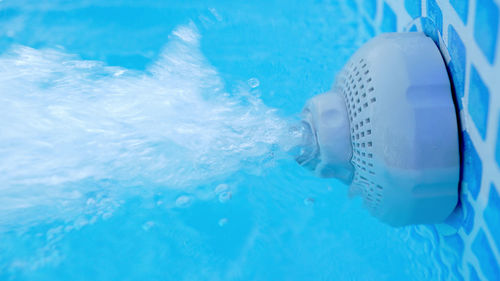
<point x="149" y="141"/>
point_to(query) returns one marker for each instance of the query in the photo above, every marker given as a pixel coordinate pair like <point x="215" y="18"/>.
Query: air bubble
<point x="253" y="82"/>
<point x="223" y="221"/>
<point x="214" y="12"/>
<point x="309" y="201"/>
<point x="148" y="225"/>
<point x="183" y="201"/>
<point x="221" y="188"/>
<point x="107" y="216"/>
<point x="225" y="196"/>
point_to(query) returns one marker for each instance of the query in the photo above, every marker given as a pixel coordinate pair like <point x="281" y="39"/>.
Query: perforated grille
<point x="357" y="87"/>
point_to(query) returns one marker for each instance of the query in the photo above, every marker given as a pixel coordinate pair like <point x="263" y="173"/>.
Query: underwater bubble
<point x="225" y="196"/>
<point x="106" y="216"/>
<point x="80" y="222"/>
<point x="91" y="202"/>
<point x="183" y="201"/>
<point x="223" y="221"/>
<point x="253" y="82"/>
<point x="51" y="233"/>
<point x="309" y="201"/>
<point x="221" y="188"/>
<point x="74" y="129"/>
<point x="148" y="225"/>
<point x="214" y="12"/>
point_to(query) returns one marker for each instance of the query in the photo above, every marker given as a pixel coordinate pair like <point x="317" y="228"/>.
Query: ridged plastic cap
<point x="327" y="116"/>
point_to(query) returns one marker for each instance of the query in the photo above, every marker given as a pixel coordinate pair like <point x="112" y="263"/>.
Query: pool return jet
<point x="388" y="128"/>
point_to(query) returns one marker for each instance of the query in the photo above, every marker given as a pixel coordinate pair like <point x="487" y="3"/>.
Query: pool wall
<point x="467" y="33"/>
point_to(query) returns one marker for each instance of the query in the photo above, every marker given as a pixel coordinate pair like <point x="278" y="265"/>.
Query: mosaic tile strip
<point x="467" y="32"/>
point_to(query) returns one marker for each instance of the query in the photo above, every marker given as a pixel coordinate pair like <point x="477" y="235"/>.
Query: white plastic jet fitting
<point x="389" y="129"/>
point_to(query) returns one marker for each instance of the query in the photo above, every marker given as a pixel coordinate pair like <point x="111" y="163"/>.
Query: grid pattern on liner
<point x="468" y="33"/>
<point x="357" y="87"/>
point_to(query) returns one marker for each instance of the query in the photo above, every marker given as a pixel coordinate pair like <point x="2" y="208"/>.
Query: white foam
<point x="73" y="129"/>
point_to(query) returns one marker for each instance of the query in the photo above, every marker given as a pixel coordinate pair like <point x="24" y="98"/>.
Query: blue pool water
<point x="148" y="141"/>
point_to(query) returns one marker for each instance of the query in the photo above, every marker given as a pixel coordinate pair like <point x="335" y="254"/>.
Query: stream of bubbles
<point x="71" y="127"/>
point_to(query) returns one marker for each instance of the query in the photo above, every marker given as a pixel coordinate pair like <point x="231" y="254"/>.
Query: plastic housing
<point x="403" y="129"/>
